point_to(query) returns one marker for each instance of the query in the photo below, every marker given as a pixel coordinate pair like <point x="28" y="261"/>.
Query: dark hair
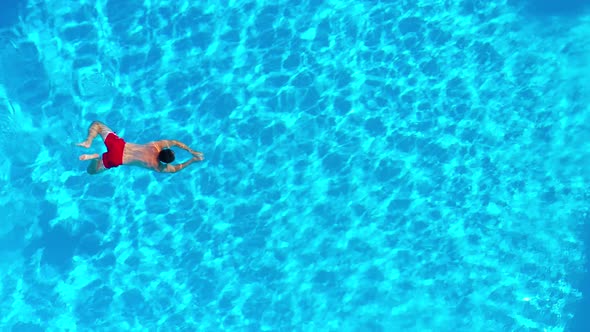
<point x="166" y="156"/>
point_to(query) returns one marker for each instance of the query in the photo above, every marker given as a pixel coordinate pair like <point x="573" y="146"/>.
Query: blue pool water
<point x="421" y="166"/>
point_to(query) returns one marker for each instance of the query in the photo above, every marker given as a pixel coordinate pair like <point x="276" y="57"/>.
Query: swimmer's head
<point x="166" y="156"/>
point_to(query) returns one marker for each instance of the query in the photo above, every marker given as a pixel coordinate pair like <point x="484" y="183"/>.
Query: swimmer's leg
<point x="89" y="156"/>
<point x="95" y="128"/>
<point x="95" y="165"/>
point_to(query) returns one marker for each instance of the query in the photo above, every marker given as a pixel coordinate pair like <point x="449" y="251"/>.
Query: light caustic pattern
<point x="370" y="167"/>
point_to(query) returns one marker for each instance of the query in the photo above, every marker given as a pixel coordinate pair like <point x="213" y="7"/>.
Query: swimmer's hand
<point x="197" y="155"/>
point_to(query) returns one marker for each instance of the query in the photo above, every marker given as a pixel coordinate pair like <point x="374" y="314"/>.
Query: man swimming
<point x="156" y="156"/>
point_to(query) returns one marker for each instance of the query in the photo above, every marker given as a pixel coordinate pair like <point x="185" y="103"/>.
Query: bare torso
<point x="142" y="155"/>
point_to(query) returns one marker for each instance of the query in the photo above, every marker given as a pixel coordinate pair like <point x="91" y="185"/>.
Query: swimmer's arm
<point x="175" y="168"/>
<point x="169" y="143"/>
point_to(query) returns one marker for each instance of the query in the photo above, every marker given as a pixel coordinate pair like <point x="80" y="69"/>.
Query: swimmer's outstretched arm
<point x="170" y="143"/>
<point x="175" y="168"/>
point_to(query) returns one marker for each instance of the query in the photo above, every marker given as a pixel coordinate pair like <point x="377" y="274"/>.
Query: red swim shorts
<point x="114" y="155"/>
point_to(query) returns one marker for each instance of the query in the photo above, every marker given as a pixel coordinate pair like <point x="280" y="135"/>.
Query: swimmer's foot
<point x="89" y="156"/>
<point x="84" y="144"/>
